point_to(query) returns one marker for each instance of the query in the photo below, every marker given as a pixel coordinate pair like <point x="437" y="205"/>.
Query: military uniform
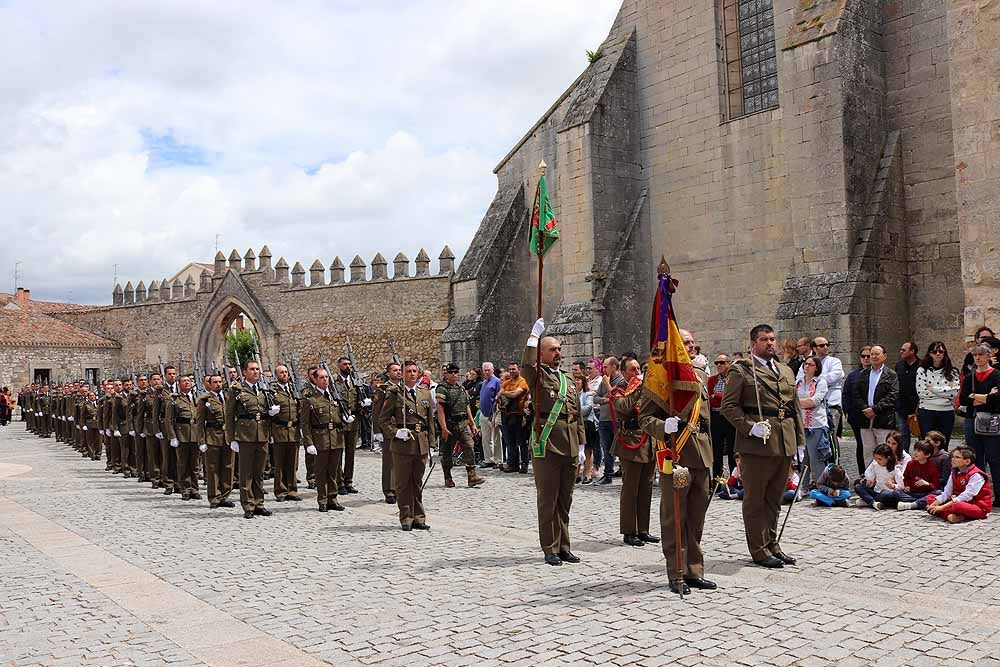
<point x="112" y="442"/>
<point x="285" y="448"/>
<point x="89" y="413"/>
<point x="351" y="395"/>
<point x="134" y="430"/>
<point x="149" y="428"/>
<point x="555" y="472"/>
<point x="181" y="424"/>
<point x="80" y="435"/>
<point x="247" y="423"/>
<point x="122" y="425"/>
<point x="412" y="410"/>
<point x="211" y="418"/>
<point x="310" y="459"/>
<point x="454" y="402"/>
<point x="322" y="428"/>
<point x="168" y="456"/>
<point x="388" y="485"/>
<point x="634" y="449"/>
<point x="696" y="456"/>
<point x="764" y="464"/>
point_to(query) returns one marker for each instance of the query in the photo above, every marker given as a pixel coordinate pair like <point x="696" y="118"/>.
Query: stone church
<point x="828" y="166"/>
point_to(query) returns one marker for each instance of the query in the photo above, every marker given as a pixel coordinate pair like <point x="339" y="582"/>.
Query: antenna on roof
<point x="115" y="281"/>
<point x="17" y="275"/>
<point x="218" y="238"/>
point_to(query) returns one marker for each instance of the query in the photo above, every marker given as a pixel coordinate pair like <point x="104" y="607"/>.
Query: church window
<point x="751" y="56"/>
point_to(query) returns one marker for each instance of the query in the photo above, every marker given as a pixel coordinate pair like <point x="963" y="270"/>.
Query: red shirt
<point x="926" y="471"/>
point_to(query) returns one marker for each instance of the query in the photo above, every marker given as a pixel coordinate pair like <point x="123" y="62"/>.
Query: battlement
<point x="280" y="275"/>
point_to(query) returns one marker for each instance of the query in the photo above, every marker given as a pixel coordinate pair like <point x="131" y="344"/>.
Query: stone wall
<point x="974" y="47"/>
<point x="291" y="317"/>
<point x="18" y="365"/>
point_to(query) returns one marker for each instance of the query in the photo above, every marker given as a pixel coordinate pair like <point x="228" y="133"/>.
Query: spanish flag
<point x="670" y="379"/>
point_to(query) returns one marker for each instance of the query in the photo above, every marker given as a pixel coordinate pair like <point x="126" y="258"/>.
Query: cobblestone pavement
<point x="99" y="570"/>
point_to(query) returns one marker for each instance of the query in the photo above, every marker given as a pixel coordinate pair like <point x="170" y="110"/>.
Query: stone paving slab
<point x="104" y="571"/>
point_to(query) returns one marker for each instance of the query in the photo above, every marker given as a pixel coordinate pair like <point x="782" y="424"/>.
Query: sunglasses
<point x="937" y="351"/>
<point x="822" y="345"/>
<point x="866" y="356"/>
<point x="721" y="363"/>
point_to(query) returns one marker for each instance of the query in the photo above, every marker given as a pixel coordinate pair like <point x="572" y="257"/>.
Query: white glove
<point x="132" y="433"/>
<point x="174" y="443"/>
<point x="84" y="428"/>
<point x="159" y="436"/>
<point x="367" y="403"/>
<point x="349" y="419"/>
<point x="118" y="434"/>
<point x="671" y="425"/>
<point x="202" y="448"/>
<point x="61" y="418"/>
<point x="107" y="432"/>
<point x="235" y="446"/>
<point x="142" y="435"/>
<point x="537" y="328"/>
<point x="311" y="450"/>
<point x="274" y="409"/>
<point x="72" y="419"/>
<point x="402" y="434"/>
<point x="379" y="438"/>
<point x="761" y="430"/>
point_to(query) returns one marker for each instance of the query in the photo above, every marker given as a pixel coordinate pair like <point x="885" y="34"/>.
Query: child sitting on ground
<point x="832" y="487"/>
<point x="881" y="475"/>
<point x="791" y="486"/>
<point x="895" y="442"/>
<point x="733" y="490"/>
<point x="941" y="457"/>
<point x="920" y="478"/>
<point x="966" y="495"/>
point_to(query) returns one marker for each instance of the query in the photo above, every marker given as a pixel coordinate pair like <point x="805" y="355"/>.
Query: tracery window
<point x="751" y="56"/>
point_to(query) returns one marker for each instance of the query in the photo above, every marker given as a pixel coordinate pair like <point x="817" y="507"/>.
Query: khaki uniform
<point x="764" y="465"/>
<point x="696" y="456"/>
<point x="310" y="459"/>
<point x="168" y="456"/>
<point x="149" y="427"/>
<point x="211" y="420"/>
<point x="286" y="439"/>
<point x="322" y="428"/>
<point x="555" y="473"/>
<point x="454" y="401"/>
<point x="89" y="417"/>
<point x="388" y="486"/>
<point x="352" y="397"/>
<point x="634" y="449"/>
<point x="135" y="428"/>
<point x="412" y="410"/>
<point x="248" y="424"/>
<point x="113" y="418"/>
<point x="181" y="423"/>
<point x="123" y="414"/>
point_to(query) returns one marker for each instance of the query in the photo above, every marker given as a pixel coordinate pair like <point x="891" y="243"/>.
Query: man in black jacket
<point x="875" y="394"/>
<point x="906" y="402"/>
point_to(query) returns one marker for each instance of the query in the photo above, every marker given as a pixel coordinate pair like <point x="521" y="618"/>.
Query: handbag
<point x="913" y="424"/>
<point x="986" y="423"/>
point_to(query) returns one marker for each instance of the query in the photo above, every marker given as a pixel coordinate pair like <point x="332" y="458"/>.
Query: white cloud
<point x="133" y="133"/>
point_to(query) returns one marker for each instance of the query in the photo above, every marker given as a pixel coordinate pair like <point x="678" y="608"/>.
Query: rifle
<point x="180" y="364"/>
<point x="395" y="356"/>
<point x="239" y="366"/>
<point x="199" y="375"/>
<point x="335" y="390"/>
<point x="354" y="365"/>
<point x="293" y="368"/>
<point x="163" y="373"/>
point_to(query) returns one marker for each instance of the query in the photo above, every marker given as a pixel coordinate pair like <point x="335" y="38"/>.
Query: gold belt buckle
<point x="418" y="428"/>
<point x="257" y="416"/>
<point x="329" y="426"/>
<point x="781" y="413"/>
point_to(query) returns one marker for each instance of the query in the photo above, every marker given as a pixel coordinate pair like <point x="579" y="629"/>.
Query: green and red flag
<point x="544" y="228"/>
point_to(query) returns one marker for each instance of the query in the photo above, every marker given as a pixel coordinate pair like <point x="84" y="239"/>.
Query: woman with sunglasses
<point x="937" y="386"/>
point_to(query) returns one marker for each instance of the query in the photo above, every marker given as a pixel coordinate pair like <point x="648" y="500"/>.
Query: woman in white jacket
<point x="937" y="386"/>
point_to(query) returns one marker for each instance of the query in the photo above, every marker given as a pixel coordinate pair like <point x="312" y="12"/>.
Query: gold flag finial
<point x="663" y="269"/>
<point x="542" y="166"/>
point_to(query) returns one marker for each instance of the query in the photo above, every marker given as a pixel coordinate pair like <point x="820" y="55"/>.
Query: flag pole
<point x="538" y="349"/>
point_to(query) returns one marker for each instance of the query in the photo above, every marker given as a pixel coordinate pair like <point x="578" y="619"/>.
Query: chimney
<point x="22" y="296"/>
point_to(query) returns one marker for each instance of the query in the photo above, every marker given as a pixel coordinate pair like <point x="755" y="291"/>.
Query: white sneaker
<point x="854" y="501"/>
<point x="876" y="505"/>
<point x="904" y="506"/>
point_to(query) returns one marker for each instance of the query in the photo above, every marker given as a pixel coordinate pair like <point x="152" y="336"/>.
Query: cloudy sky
<point x="132" y="133"/>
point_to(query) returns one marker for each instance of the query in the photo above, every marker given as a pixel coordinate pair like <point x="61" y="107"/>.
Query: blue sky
<point x="134" y="133"/>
